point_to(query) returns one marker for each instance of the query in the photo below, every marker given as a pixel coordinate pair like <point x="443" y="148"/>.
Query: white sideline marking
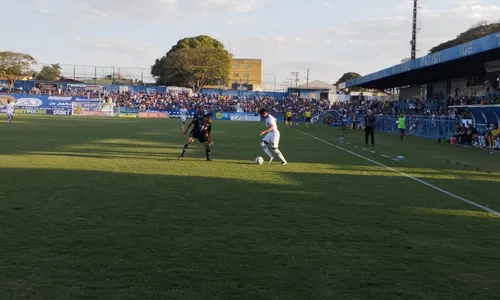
<point x="405" y="175"/>
<point x="386" y="156"/>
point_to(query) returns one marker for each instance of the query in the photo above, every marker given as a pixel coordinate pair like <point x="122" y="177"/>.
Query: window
<point x="246" y="67"/>
<point x="246" y="75"/>
<point x="236" y="75"/>
<point x="236" y="66"/>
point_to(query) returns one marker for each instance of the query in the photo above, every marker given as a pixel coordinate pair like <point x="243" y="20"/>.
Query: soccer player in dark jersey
<point x="197" y="119"/>
<point x="202" y="132"/>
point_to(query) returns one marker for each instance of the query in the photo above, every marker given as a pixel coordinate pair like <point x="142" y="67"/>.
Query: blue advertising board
<point x="43" y="104"/>
<point x="226" y="116"/>
<point x="483" y="44"/>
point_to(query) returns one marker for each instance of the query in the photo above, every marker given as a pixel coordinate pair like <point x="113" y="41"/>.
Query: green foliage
<point x="15" y="65"/>
<point x="49" y="73"/>
<point x="350" y="76"/>
<point x="477" y="31"/>
<point x="194" y="62"/>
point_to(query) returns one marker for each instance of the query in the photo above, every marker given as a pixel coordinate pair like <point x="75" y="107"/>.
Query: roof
<point x="318" y="84"/>
<point x="429" y="68"/>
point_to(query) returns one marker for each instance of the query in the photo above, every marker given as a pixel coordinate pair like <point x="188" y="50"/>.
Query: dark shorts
<point x="308" y="119"/>
<point x="289" y="119"/>
<point x="202" y="138"/>
<point x="401" y="130"/>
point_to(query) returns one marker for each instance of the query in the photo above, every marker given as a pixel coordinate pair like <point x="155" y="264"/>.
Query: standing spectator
<point x="370" y="128"/>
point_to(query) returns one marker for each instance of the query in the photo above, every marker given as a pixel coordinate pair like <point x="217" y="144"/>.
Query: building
<point x="246" y="74"/>
<point x="314" y="90"/>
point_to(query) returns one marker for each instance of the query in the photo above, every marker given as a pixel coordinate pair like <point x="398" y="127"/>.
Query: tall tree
<point x="477" y="31"/>
<point x="349" y="76"/>
<point x="16" y="65"/>
<point x="404" y="60"/>
<point x="194" y="62"/>
<point x="49" y="73"/>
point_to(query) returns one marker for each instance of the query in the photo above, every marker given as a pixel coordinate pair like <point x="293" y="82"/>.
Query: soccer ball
<point x="259" y="160"/>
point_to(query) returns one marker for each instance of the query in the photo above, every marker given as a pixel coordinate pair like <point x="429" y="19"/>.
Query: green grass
<point x="101" y="209"/>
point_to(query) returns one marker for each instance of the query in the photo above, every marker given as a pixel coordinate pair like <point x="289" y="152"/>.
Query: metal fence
<point x="104" y="74"/>
<point x="422" y="126"/>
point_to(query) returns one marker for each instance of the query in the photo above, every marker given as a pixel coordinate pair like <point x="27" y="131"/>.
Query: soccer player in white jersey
<point x="183" y="112"/>
<point x="10" y="111"/>
<point x="272" y="137"/>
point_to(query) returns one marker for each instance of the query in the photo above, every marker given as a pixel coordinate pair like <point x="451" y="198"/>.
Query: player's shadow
<point x="189" y="236"/>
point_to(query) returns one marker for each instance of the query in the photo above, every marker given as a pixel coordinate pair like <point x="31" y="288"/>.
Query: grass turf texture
<point x="102" y="209"/>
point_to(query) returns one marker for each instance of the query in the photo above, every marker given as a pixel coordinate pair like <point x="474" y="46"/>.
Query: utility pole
<point x="296" y="76"/>
<point x="413" y="41"/>
<point x="307" y="78"/>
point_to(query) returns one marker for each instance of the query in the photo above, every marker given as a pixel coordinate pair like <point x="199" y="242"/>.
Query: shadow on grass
<point x="110" y="235"/>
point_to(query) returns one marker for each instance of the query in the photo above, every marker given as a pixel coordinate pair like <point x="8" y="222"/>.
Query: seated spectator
<point x="460" y="133"/>
<point x="471" y="136"/>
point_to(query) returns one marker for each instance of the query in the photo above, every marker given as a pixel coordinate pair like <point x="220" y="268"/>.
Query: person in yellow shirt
<point x="496" y="137"/>
<point x="308" y="118"/>
<point x="289" y="118"/>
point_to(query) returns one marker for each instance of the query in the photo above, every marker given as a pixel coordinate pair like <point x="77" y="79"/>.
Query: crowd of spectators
<point x="436" y="105"/>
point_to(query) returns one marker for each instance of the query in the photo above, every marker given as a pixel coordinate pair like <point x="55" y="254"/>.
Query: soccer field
<point x="102" y="209"/>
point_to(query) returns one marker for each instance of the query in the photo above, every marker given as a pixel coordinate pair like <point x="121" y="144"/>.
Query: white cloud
<point x="122" y="47"/>
<point x="159" y="11"/>
<point x="324" y="35"/>
<point x="239" y="20"/>
<point x="239" y="6"/>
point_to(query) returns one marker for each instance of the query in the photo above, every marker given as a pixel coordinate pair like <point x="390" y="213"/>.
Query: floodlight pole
<point x="414" y="31"/>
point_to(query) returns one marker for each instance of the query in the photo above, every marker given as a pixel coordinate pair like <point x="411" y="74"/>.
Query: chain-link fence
<point x="104" y="74"/>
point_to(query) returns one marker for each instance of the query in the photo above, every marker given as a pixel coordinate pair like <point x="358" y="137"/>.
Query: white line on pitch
<point x="405" y="175"/>
<point x="386" y="156"/>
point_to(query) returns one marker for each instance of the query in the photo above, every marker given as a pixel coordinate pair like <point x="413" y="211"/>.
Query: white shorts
<point x="272" y="139"/>
<point x="10" y="114"/>
<point x="183" y="118"/>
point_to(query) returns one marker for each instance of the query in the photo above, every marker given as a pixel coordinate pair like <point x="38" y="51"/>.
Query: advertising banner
<point x="31" y="111"/>
<point x="95" y="109"/>
<point x="244" y="117"/>
<point x="38" y="104"/>
<point x="154" y="115"/>
<point x="46" y="86"/>
<point x="128" y="115"/>
<point x="91" y="87"/>
<point x="237" y="116"/>
<point x="175" y="114"/>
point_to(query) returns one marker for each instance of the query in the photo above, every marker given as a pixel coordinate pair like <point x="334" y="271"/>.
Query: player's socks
<point x="184" y="150"/>
<point x="280" y="155"/>
<point x="266" y="150"/>
<point x="207" y="152"/>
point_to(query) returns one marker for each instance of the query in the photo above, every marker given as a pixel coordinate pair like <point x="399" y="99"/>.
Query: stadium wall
<point x="82" y="106"/>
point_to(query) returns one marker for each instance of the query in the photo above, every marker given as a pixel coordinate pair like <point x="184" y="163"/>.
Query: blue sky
<point x="328" y="37"/>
